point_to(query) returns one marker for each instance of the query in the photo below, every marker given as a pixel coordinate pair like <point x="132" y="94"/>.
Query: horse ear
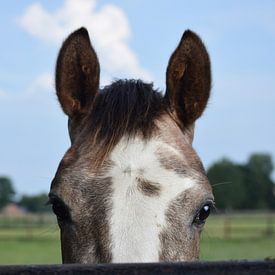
<point x="188" y="79"/>
<point x="77" y="74"/>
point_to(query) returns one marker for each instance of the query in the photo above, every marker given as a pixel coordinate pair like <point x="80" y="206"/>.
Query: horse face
<point x="131" y="188"/>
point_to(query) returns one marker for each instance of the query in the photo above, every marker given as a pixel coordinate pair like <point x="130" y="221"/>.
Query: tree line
<point x="236" y="187"/>
<point x="31" y="203"/>
<point x="243" y="186"/>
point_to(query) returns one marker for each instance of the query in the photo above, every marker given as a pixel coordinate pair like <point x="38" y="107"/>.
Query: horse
<point x="131" y="188"/>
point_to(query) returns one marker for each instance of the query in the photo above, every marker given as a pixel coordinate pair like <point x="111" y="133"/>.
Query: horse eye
<point x="203" y="214"/>
<point x="61" y="211"/>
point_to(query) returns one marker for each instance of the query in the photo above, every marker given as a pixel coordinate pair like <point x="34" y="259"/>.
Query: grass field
<point x="239" y="236"/>
<point x="243" y="236"/>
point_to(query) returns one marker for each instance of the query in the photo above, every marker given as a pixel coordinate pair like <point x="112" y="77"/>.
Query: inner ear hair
<point x="77" y="74"/>
<point x="188" y="79"/>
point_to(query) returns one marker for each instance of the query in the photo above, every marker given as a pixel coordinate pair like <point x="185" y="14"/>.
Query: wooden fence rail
<point x="221" y="268"/>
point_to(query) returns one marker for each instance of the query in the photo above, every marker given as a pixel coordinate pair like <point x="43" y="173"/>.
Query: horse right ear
<point x="188" y="79"/>
<point x="77" y="74"/>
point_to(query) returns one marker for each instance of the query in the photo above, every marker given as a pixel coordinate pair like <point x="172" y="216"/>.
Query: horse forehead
<point x="136" y="152"/>
<point x="143" y="158"/>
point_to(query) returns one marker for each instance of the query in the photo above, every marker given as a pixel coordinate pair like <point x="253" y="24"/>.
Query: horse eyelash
<point x="221" y="183"/>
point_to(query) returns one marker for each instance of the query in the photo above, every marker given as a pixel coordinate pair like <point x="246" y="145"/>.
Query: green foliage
<point x="260" y="187"/>
<point x="35" y="204"/>
<point x="227" y="178"/>
<point x="6" y="191"/>
<point x="260" y="163"/>
<point x="247" y="186"/>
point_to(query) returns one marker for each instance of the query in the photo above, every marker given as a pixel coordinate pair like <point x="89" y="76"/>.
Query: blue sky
<point x="134" y="39"/>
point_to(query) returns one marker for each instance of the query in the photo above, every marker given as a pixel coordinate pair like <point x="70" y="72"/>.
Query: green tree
<point x="227" y="179"/>
<point x="6" y="191"/>
<point x="247" y="186"/>
<point x="35" y="203"/>
<point x="261" y="163"/>
<point x="259" y="184"/>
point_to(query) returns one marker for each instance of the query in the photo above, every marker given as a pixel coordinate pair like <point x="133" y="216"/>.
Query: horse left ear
<point x="188" y="79"/>
<point x="77" y="74"/>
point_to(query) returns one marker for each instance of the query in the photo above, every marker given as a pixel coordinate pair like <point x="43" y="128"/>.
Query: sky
<point x="134" y="39"/>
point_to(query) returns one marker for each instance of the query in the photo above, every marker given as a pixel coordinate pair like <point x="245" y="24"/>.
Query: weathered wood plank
<point x="221" y="268"/>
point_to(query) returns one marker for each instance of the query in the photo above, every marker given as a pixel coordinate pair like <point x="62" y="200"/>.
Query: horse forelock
<point x="126" y="108"/>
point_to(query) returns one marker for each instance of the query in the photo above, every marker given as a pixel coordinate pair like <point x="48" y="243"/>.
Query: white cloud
<point x="41" y="88"/>
<point x="43" y="83"/>
<point x="108" y="27"/>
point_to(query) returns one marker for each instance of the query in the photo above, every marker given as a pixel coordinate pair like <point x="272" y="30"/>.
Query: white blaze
<point x="136" y="219"/>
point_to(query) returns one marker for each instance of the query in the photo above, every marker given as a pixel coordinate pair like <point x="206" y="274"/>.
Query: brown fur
<point x="187" y="159"/>
<point x="90" y="229"/>
<point x="77" y="74"/>
<point x="176" y="242"/>
<point x="188" y="78"/>
<point x="173" y="162"/>
<point x="148" y="188"/>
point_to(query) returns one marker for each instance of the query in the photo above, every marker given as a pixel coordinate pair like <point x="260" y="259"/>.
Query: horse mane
<point x="124" y="108"/>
